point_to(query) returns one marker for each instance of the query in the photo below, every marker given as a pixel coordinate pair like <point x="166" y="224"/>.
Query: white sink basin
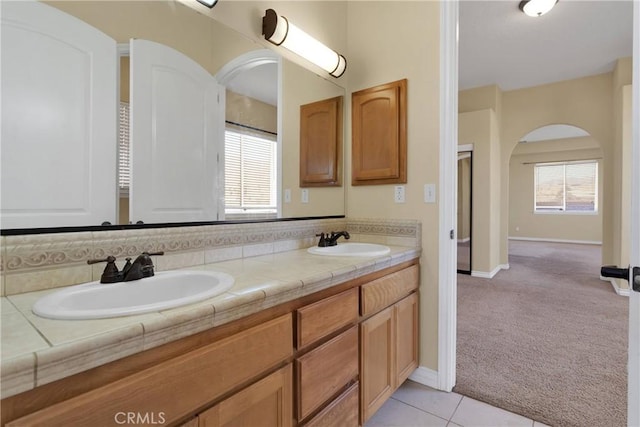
<point x="351" y="249"/>
<point x="165" y="290"/>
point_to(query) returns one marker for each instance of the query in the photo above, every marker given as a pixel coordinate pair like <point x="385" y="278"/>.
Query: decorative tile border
<point x="40" y="250"/>
<point x="25" y="260"/>
<point x="395" y="228"/>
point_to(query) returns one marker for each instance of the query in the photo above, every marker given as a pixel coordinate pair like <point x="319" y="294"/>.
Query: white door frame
<point x="633" y="407"/>
<point x="447" y="284"/>
<point x="447" y="265"/>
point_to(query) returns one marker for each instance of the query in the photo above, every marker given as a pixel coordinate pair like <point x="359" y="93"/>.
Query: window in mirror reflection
<point x="124" y="163"/>
<point x="250" y="174"/>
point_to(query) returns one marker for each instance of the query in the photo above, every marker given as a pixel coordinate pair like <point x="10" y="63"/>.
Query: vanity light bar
<point x="208" y="3"/>
<point x="279" y="31"/>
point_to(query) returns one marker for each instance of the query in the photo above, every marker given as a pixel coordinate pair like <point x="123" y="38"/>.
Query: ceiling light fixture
<point x="208" y="3"/>
<point x="279" y="31"/>
<point x="536" y="7"/>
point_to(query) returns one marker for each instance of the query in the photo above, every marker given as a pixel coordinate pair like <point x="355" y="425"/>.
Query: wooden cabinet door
<point x="405" y="316"/>
<point x="321" y="143"/>
<point x="377" y="376"/>
<point x="379" y="134"/>
<point x="266" y="403"/>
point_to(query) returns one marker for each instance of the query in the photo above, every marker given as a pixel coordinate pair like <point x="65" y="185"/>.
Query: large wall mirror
<point x="247" y="170"/>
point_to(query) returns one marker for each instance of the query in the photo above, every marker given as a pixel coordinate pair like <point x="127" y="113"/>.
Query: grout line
<point x="419" y="409"/>
<point x="456" y="410"/>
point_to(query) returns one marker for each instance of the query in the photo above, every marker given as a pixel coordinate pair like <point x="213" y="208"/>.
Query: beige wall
<point x="523" y="222"/>
<point x="251" y="112"/>
<point x="389" y="41"/>
<point x="596" y="104"/>
<point x="480" y="128"/>
<point x="586" y="103"/>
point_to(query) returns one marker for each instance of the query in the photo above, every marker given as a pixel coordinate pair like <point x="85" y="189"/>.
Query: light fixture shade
<point x="279" y="31"/>
<point x="536" y="7"/>
<point x="208" y="3"/>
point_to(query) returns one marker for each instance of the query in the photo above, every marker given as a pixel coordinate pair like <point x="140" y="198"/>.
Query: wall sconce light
<point x="208" y="3"/>
<point x="279" y="31"/>
<point x="536" y="7"/>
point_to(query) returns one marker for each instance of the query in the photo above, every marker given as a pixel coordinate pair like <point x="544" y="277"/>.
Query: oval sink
<point x="167" y="289"/>
<point x="351" y="249"/>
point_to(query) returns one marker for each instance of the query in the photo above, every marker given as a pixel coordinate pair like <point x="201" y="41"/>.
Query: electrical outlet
<point x="287" y="195"/>
<point x="429" y="193"/>
<point x="305" y="195"/>
<point x="398" y="194"/>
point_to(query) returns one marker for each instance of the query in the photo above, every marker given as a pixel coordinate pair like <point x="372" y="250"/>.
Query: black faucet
<point x="140" y="268"/>
<point x="332" y="240"/>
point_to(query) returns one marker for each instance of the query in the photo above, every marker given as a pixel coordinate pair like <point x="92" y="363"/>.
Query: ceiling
<point x="501" y="45"/>
<point x="258" y="83"/>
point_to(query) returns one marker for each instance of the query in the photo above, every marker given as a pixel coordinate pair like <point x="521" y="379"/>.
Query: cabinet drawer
<point x="342" y="412"/>
<point x="266" y="403"/>
<point x="318" y="320"/>
<point x="178" y="386"/>
<point x="322" y="372"/>
<point x="386" y="290"/>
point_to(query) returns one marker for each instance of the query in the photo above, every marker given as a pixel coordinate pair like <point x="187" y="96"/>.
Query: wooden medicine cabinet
<point x="321" y="143"/>
<point x="379" y="134"/>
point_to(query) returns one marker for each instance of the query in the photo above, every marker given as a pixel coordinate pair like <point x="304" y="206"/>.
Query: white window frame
<point x="244" y="212"/>
<point x="562" y="209"/>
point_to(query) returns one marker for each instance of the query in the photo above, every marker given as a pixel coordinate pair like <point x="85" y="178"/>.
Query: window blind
<point x="566" y="187"/>
<point x="124" y="162"/>
<point x="250" y="172"/>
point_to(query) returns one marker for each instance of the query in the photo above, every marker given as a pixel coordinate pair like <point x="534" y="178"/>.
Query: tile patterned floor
<point x="414" y="405"/>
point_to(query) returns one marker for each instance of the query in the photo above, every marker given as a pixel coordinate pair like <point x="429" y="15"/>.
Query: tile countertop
<point x="36" y="351"/>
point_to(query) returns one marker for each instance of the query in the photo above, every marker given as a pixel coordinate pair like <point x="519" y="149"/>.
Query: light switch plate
<point x="287" y="195"/>
<point x="305" y="195"/>
<point x="429" y="193"/>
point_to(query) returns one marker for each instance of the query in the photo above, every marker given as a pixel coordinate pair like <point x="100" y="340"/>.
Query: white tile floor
<point x="414" y="405"/>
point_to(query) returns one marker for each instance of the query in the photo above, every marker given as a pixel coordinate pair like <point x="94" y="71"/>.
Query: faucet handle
<point x="108" y="259"/>
<point x="323" y="240"/>
<point x="154" y="253"/>
<point x="110" y="273"/>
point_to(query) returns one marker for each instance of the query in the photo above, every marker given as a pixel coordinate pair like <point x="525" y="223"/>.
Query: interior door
<point x="174" y="131"/>
<point x="632" y="273"/>
<point x="59" y="119"/>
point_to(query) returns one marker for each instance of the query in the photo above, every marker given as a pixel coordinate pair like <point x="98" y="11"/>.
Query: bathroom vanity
<point x="329" y="353"/>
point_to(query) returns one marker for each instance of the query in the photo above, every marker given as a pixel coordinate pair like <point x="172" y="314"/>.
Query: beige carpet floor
<point x="546" y="339"/>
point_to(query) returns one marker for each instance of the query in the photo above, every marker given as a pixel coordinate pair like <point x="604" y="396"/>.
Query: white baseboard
<point x="425" y="376"/>
<point x="620" y="291"/>
<point x="489" y="274"/>
<point x="544" y="239"/>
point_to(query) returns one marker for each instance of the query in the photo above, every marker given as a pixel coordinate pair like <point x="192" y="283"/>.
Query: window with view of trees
<point x="566" y="187"/>
<point x="250" y="174"/>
